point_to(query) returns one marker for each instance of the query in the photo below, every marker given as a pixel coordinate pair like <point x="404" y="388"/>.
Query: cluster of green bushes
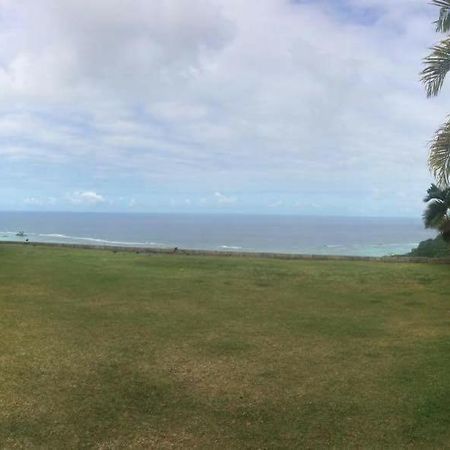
<point x="432" y="248"/>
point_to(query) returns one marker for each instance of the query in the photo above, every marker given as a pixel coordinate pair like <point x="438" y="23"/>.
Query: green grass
<point x="117" y="350"/>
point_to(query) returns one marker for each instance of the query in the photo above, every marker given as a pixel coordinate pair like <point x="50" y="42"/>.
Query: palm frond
<point x="435" y="215"/>
<point x="439" y="159"/>
<point x="443" y="23"/>
<point x="435" y="193"/>
<point x="437" y="66"/>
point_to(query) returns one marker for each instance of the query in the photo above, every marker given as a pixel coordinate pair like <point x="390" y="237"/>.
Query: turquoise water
<point x="287" y="234"/>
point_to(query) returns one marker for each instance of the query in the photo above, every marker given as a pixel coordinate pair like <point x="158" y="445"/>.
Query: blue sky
<point x="261" y="106"/>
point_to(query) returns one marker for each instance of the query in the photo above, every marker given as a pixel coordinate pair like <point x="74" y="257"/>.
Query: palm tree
<point x="437" y="213"/>
<point x="437" y="65"/>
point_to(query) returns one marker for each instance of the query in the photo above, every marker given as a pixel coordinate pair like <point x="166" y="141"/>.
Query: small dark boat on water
<point x="21" y="234"/>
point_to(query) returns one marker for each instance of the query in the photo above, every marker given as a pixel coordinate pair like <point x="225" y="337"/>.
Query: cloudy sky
<point x="270" y="106"/>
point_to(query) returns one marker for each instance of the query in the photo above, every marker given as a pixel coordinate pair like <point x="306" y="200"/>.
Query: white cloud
<point x="40" y="201"/>
<point x="86" y="198"/>
<point x="80" y="48"/>
<point x="224" y="199"/>
<point x="233" y="95"/>
<point x="275" y="204"/>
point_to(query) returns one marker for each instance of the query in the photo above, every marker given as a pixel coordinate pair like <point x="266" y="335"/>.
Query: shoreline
<point x="237" y="254"/>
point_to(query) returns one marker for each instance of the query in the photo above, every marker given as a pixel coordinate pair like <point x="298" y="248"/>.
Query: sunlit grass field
<point x="117" y="350"/>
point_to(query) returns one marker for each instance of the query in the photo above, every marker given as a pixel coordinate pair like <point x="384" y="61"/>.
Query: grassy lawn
<point x="105" y="350"/>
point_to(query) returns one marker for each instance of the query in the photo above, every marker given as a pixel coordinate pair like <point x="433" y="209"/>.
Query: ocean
<point x="227" y="232"/>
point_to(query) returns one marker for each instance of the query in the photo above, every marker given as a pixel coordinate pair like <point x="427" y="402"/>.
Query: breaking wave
<point x="56" y="237"/>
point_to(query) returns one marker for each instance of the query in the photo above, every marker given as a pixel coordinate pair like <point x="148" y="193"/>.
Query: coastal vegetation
<point x="437" y="66"/>
<point x="432" y="248"/>
<point x="437" y="213"/>
<point x="105" y="349"/>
